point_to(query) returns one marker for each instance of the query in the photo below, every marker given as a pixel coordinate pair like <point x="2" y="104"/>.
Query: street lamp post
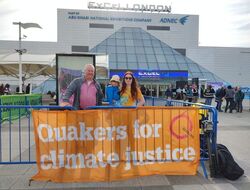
<point x="20" y="50"/>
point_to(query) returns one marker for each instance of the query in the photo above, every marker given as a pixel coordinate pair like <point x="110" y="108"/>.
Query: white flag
<point x="29" y="25"/>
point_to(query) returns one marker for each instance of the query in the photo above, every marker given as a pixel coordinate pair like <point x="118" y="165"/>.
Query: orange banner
<point x="113" y="144"/>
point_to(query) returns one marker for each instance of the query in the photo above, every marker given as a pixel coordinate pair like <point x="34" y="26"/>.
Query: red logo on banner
<point x="187" y="129"/>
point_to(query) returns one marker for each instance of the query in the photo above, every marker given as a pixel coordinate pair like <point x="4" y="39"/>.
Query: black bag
<point x="227" y="165"/>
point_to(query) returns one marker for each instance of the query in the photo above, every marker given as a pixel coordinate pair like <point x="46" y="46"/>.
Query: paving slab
<point x="188" y="187"/>
<point x="220" y="186"/>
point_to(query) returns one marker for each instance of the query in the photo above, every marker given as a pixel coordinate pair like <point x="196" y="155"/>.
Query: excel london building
<point x="159" y="47"/>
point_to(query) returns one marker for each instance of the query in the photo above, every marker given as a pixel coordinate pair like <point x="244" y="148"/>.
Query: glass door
<point x="162" y="89"/>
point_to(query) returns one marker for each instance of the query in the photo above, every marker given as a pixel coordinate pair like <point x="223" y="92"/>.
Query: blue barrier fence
<point x="25" y="99"/>
<point x="208" y="129"/>
<point x="17" y="145"/>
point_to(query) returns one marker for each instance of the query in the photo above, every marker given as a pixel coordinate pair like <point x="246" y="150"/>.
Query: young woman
<point x="130" y="94"/>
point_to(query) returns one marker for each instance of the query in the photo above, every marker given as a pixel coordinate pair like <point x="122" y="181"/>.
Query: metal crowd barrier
<point x="17" y="145"/>
<point x="247" y="96"/>
<point x="24" y="99"/>
<point x="208" y="129"/>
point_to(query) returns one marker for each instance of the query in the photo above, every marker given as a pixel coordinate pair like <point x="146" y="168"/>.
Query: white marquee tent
<point x="33" y="65"/>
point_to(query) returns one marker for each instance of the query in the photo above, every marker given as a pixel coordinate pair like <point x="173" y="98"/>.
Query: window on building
<point x="160" y="58"/>
<point x="158" y="50"/>
<point x="132" y="65"/>
<point x="149" y="50"/>
<point x="95" y="25"/>
<point x="129" y="42"/>
<point x="151" y="58"/>
<point x="141" y="58"/>
<point x="173" y="66"/>
<point x="179" y="59"/>
<point x="120" y="42"/>
<point x="121" y="57"/>
<point x="120" y="49"/>
<point x="131" y="58"/>
<point x="158" y="28"/>
<point x="79" y="48"/>
<point x="181" y="51"/>
<point x="170" y="58"/>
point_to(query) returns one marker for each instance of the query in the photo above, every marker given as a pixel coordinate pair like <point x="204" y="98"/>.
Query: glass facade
<point x="133" y="48"/>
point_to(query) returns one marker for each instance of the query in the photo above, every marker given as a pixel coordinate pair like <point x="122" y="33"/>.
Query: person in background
<point x="178" y="94"/>
<point x="17" y="89"/>
<point x="209" y="95"/>
<point x="219" y="95"/>
<point x="229" y="96"/>
<point x="1" y="89"/>
<point x="202" y="92"/>
<point x="53" y="96"/>
<point x="189" y="93"/>
<point x="239" y="97"/>
<point x="143" y="90"/>
<point x="154" y="91"/>
<point x="147" y="92"/>
<point x="103" y="87"/>
<point x="184" y="92"/>
<point x="169" y="95"/>
<point x="27" y="90"/>
<point x="169" y="92"/>
<point x="113" y="91"/>
<point x="87" y="92"/>
<point x="195" y="93"/>
<point x="130" y="92"/>
<point x="7" y="89"/>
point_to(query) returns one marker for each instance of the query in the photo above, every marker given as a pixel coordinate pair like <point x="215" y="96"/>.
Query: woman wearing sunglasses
<point x="130" y="92"/>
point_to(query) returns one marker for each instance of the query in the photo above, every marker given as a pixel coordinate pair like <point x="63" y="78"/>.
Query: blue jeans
<point x="229" y="104"/>
<point x="239" y="106"/>
<point x="208" y="101"/>
<point x="218" y="106"/>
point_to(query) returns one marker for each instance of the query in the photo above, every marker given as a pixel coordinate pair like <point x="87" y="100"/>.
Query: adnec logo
<point x="182" y="20"/>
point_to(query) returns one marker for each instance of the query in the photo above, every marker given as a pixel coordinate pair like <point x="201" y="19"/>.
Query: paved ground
<point x="233" y="131"/>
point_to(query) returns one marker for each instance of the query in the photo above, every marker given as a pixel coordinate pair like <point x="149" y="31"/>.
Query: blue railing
<point x="17" y="140"/>
<point x="208" y="129"/>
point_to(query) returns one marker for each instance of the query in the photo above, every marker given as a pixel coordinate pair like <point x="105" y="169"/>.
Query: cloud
<point x="240" y="7"/>
<point x="244" y="27"/>
<point x="7" y="12"/>
<point x="242" y="44"/>
<point x="6" y="8"/>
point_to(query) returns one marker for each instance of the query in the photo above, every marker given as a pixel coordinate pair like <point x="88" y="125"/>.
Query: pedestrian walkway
<point x="233" y="131"/>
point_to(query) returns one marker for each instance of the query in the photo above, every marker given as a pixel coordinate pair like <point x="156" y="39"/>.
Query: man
<point x="239" y="97"/>
<point x="87" y="92"/>
<point x="219" y="95"/>
<point x="209" y="95"/>
<point x="229" y="96"/>
<point x="169" y="95"/>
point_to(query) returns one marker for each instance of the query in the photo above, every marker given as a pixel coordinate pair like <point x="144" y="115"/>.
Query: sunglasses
<point x="128" y="78"/>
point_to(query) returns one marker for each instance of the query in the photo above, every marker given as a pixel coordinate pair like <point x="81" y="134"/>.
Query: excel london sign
<point x="133" y="7"/>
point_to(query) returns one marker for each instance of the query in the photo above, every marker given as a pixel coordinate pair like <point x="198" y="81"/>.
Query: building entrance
<point x="156" y="90"/>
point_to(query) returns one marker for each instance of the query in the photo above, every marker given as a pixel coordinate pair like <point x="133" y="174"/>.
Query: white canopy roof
<point x="32" y="65"/>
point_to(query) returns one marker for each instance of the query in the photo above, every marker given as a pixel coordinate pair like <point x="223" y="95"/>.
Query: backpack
<point x="227" y="165"/>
